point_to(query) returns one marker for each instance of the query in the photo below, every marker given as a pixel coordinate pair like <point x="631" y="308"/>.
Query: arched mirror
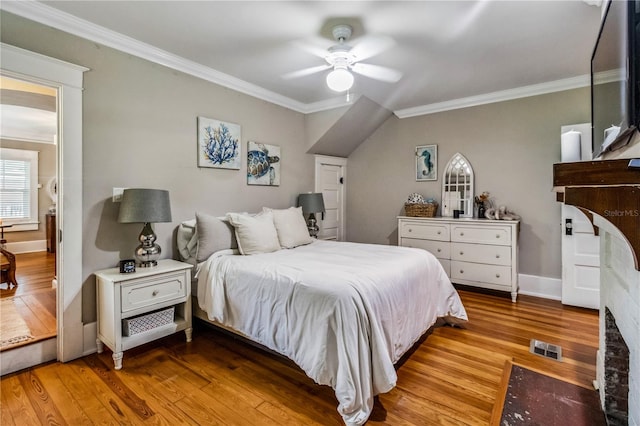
<point x="457" y="187"/>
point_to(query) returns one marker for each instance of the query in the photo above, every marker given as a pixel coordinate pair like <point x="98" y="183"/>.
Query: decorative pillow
<point x="214" y="234"/>
<point x="291" y="227"/>
<point x="255" y="234"/>
<point x="187" y="240"/>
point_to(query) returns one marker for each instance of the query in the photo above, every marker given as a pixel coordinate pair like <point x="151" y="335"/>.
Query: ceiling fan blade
<point x="314" y="47"/>
<point x="306" y="71"/>
<point x="370" y="46"/>
<point x="377" y="72"/>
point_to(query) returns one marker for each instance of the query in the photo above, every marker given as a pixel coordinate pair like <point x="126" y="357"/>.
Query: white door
<point x="330" y="181"/>
<point x="580" y="260"/>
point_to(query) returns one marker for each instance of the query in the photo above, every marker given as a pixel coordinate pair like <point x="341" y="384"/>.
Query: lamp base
<point x="312" y="225"/>
<point x="148" y="252"/>
<point x="148" y="263"/>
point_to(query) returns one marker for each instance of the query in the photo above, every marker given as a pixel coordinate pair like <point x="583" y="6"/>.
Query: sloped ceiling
<point x="356" y="124"/>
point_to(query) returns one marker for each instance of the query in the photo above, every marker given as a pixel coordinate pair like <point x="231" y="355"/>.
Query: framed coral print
<point x="218" y="144"/>
<point x="263" y="164"/>
<point x="426" y="162"/>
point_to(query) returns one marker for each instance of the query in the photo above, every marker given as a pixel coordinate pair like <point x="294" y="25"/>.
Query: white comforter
<point x="344" y="312"/>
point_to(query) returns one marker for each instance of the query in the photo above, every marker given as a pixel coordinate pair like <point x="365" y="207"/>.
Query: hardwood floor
<point x="451" y="378"/>
<point x="34" y="298"/>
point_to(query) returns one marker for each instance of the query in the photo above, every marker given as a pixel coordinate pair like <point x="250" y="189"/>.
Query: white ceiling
<point x="450" y="52"/>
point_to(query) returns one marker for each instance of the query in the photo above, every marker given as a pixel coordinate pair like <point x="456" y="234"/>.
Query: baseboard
<point x="90" y="334"/>
<point x="27" y="246"/>
<point x="533" y="285"/>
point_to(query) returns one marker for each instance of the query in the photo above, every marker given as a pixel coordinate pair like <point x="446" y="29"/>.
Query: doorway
<point x="28" y="172"/>
<point x="71" y="333"/>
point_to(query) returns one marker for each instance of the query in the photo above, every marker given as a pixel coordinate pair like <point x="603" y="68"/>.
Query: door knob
<point x="568" y="227"/>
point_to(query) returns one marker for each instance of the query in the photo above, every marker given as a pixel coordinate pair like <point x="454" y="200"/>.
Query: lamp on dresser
<point x="311" y="204"/>
<point x="141" y="205"/>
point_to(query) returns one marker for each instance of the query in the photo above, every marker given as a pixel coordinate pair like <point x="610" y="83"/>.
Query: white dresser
<point x="475" y="252"/>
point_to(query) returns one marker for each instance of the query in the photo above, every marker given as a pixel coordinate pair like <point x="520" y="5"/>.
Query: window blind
<point x="18" y="185"/>
<point x="14" y="189"/>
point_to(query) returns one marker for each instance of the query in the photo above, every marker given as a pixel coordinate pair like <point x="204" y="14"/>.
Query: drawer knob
<point x="497" y="256"/>
<point x="461" y="253"/>
<point x="155" y="293"/>
<point x="461" y="271"/>
<point x="439" y="232"/>
<point x="497" y="275"/>
<point x="410" y="230"/>
<point x="497" y="235"/>
<point x="439" y="250"/>
<point x="462" y="234"/>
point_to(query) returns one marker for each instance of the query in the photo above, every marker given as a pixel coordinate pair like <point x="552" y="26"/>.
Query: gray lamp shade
<point x="145" y="206"/>
<point x="311" y="203"/>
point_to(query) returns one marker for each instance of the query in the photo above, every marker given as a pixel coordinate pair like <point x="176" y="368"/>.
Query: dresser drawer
<point x="439" y="249"/>
<point x="492" y="274"/>
<point x="431" y="231"/>
<point x="500" y="235"/>
<point x="148" y="292"/>
<point x="481" y="253"/>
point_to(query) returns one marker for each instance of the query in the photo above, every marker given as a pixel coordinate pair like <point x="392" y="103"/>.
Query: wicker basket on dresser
<point x="475" y="252"/>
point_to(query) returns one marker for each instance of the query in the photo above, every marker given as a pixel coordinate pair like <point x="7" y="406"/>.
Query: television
<point x="615" y="77"/>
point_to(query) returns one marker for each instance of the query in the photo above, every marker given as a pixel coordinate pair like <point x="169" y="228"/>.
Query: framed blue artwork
<point x="219" y="144"/>
<point x="427" y="162"/>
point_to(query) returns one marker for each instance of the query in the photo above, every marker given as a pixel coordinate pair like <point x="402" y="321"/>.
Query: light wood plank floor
<point x="34" y="298"/>
<point x="451" y="378"/>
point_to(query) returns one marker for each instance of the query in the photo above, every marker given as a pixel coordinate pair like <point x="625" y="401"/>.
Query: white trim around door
<point x="67" y="78"/>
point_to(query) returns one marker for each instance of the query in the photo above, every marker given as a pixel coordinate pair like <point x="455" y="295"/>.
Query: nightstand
<point x="142" y="306"/>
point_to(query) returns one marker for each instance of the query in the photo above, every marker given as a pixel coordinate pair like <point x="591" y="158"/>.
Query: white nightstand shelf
<point x="122" y="296"/>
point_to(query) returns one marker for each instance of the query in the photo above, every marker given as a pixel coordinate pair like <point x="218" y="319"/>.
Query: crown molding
<point x="55" y="18"/>
<point x="500" y="96"/>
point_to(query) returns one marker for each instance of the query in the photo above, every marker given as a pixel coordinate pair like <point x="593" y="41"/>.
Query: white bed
<point x="344" y="312"/>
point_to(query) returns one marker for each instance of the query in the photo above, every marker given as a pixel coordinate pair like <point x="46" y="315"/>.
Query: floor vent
<point x="546" y="350"/>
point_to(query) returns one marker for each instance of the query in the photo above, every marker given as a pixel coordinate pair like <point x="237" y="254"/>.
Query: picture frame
<point x="263" y="164"/>
<point x="219" y="144"/>
<point x="426" y="157"/>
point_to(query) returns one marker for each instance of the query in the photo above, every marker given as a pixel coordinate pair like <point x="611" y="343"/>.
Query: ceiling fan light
<point x="339" y="80"/>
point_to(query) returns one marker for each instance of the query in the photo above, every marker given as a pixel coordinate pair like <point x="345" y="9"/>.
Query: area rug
<point x="13" y="329"/>
<point x="531" y="398"/>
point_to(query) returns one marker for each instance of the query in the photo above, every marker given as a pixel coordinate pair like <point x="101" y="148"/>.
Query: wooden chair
<point x="8" y="267"/>
<point x="7" y="260"/>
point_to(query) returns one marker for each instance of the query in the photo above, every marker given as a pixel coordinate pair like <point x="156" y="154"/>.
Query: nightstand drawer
<point x="152" y="291"/>
<point x="438" y="232"/>
<point x="439" y="249"/>
<point x="481" y="253"/>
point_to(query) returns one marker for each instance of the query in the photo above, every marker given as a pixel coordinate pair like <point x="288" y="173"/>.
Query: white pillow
<point x="213" y="234"/>
<point x="291" y="227"/>
<point x="255" y="234"/>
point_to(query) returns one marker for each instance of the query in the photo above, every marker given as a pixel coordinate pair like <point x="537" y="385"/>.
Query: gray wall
<point x="139" y="130"/>
<point x="511" y="145"/>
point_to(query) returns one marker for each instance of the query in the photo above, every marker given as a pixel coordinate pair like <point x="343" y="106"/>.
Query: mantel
<point x="608" y="188"/>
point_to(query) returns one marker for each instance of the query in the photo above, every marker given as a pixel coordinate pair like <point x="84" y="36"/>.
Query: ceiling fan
<point x="345" y="59"/>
